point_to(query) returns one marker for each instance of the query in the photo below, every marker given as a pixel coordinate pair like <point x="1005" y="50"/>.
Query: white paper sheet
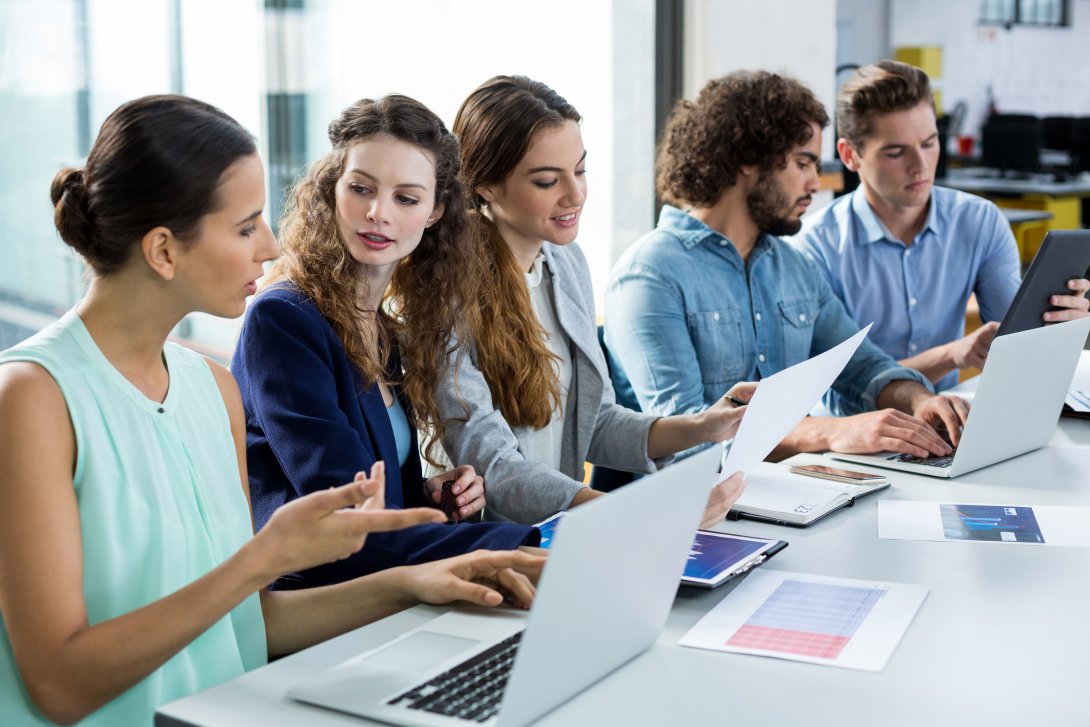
<point x="841" y="622"/>
<point x="915" y="520"/>
<point x="774" y="487"/>
<point x="781" y="401"/>
<point x="1078" y="400"/>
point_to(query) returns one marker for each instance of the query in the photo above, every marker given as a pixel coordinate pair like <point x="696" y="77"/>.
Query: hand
<point x="1074" y="306"/>
<point x="886" y="429"/>
<point x="720" y="421"/>
<point x="483" y="577"/>
<point x="721" y="498"/>
<point x="971" y="351"/>
<point x="331" y="525"/>
<point x="468" y="487"/>
<point x="944" y="412"/>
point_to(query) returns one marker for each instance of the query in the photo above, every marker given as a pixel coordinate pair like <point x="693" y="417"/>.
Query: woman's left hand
<point x="468" y="490"/>
<point x="483" y="577"/>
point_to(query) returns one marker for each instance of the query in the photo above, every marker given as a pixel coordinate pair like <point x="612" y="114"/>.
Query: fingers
<point x="951" y="418"/>
<point x="354" y="494"/>
<point x="378" y="521"/>
<point x="1072" y="308"/>
<point x="517" y="586"/>
<point x="743" y="390"/>
<point x="900" y="432"/>
<point x="472" y="499"/>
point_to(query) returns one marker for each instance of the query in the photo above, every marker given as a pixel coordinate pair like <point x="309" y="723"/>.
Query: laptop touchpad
<point x="421" y="651"/>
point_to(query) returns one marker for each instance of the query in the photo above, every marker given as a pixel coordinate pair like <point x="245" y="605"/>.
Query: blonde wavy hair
<point x="426" y="309"/>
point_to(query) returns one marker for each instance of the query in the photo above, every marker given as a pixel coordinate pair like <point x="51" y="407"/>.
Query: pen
<point x="735" y="400"/>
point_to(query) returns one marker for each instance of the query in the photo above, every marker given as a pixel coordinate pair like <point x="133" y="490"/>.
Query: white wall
<point x="1031" y="70"/>
<point x="795" y="37"/>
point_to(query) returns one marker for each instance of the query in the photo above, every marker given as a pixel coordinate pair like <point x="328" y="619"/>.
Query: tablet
<point x="715" y="558"/>
<point x="1064" y="255"/>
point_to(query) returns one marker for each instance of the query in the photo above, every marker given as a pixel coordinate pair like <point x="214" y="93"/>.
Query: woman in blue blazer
<point x="340" y="353"/>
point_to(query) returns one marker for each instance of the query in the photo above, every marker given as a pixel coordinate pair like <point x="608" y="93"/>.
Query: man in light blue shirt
<point x="904" y="254"/>
<point x="711" y="297"/>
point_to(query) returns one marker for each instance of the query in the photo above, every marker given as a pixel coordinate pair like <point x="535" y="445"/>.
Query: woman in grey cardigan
<point x="530" y="400"/>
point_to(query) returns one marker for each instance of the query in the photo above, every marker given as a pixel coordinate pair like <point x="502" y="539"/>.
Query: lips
<point x="374" y="240"/>
<point x="251" y="287"/>
<point x="569" y="220"/>
<point x="919" y="186"/>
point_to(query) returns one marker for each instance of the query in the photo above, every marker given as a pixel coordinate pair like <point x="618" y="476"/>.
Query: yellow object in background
<point x="928" y="58"/>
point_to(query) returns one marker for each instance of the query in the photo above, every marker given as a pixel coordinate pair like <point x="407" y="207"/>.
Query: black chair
<point x="605" y="479"/>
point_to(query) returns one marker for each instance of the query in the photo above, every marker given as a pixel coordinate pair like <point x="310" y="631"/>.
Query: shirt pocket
<point x="798" y="318"/>
<point x="720" y="348"/>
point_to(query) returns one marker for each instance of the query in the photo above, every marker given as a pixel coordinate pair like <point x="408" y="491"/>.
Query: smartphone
<point x="838" y="475"/>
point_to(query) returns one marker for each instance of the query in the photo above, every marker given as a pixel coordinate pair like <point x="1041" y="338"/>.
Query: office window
<point x="285" y="69"/>
<point x="1047" y="13"/>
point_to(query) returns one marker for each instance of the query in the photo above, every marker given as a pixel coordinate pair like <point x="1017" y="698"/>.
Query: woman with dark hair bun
<point x="129" y="571"/>
<point x="340" y="353"/>
<point x="532" y="401"/>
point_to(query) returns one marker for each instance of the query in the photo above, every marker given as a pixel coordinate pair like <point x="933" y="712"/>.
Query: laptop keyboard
<point x="944" y="461"/>
<point x="471" y="690"/>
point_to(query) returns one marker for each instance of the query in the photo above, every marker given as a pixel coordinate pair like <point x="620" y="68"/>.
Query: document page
<point x="774" y="488"/>
<point x="984" y="523"/>
<point x="841" y="622"/>
<point x="781" y="401"/>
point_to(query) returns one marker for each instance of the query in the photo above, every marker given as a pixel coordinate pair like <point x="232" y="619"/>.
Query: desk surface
<point x="970" y="181"/>
<point x="1019" y="216"/>
<point x="1003" y="637"/>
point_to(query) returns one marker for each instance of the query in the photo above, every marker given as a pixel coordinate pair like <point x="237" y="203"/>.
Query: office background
<point x="284" y="68"/>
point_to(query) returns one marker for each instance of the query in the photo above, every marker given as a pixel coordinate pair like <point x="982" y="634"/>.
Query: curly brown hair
<point x="747" y="118"/>
<point x="880" y="88"/>
<point x="495" y="126"/>
<point x="429" y="300"/>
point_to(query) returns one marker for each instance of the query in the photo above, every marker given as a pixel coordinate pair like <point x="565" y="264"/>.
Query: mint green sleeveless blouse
<point x="160" y="505"/>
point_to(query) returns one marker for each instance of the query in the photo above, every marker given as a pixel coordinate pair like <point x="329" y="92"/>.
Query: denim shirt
<point x="686" y="318"/>
<point x="916" y="294"/>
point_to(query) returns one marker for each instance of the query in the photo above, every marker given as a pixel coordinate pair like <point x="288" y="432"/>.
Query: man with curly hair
<point x="904" y="253"/>
<point x="711" y="296"/>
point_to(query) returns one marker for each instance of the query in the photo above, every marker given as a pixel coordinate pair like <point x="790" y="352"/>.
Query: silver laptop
<point x="606" y="584"/>
<point x="1016" y="405"/>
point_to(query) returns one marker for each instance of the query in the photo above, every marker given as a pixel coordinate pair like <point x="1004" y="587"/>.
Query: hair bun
<point x="70" y="212"/>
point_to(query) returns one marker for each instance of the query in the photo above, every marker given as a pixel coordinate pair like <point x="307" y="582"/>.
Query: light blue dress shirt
<point x="915" y="294"/>
<point x="686" y="318"/>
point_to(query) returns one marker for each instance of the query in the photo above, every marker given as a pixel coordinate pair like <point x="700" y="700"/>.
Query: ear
<point x="159" y="248"/>
<point x="436" y="214"/>
<point x="849" y="155"/>
<point x="486" y="193"/>
<point x="748" y="171"/>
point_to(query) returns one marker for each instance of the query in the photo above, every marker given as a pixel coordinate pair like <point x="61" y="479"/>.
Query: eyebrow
<point x="809" y="155"/>
<point x="535" y="170"/>
<point x="889" y="147"/>
<point x="252" y="216"/>
<point x="402" y="185"/>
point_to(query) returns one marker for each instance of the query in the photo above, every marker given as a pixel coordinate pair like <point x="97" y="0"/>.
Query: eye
<point x="544" y="185"/>
<point x="580" y="172"/>
<point x="359" y="188"/>
<point x="249" y="230"/>
<point x="403" y="199"/>
<point x="894" y="154"/>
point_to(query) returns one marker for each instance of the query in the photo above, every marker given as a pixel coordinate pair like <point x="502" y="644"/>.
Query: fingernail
<point x="461" y="501"/>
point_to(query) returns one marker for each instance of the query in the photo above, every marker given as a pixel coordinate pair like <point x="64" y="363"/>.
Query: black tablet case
<point x="1064" y="255"/>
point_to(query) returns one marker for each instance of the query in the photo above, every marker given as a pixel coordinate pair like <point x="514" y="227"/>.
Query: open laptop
<point x="1016" y="406"/>
<point x="468" y="665"/>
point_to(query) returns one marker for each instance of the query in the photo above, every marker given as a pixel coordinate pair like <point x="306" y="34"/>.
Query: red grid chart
<point x="807" y="619"/>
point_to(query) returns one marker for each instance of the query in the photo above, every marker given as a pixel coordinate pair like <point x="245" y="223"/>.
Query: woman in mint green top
<point x="129" y="572"/>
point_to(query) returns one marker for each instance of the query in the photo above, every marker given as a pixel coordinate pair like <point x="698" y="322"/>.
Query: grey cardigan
<point x="597" y="429"/>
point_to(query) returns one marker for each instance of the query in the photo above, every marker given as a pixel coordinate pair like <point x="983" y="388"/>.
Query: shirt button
<point x="761" y="357"/>
<point x="907" y="253"/>
<point x="802" y="317"/>
<point x="757" y="316"/>
<point x="912" y="301"/>
<point x="722" y="243"/>
<point x="715" y="316"/>
<point x="912" y="347"/>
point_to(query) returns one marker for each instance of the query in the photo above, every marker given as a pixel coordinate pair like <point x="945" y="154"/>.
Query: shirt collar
<point x="537" y="270"/>
<point x="692" y="232"/>
<point x="875" y="230"/>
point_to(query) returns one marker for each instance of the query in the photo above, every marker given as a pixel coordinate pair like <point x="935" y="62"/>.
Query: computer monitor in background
<point x="1056" y="132"/>
<point x="1080" y="145"/>
<point x="1012" y="142"/>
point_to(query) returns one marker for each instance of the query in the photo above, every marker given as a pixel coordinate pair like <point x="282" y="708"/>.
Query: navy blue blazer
<point x="311" y="424"/>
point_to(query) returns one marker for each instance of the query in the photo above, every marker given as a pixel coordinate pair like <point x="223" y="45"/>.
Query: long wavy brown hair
<point x="428" y="305"/>
<point x="495" y="127"/>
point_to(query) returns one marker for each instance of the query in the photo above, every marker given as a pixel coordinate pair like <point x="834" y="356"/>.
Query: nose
<point x="575" y="192"/>
<point x="269" y="247"/>
<point x="813" y="179"/>
<point x="376" y="212"/>
<point x="917" y="160"/>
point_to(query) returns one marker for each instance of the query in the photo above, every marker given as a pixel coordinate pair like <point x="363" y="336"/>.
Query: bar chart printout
<point x="831" y="621"/>
<point x="806" y="618"/>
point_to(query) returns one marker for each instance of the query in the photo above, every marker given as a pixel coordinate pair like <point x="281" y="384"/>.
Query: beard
<point x="766" y="203"/>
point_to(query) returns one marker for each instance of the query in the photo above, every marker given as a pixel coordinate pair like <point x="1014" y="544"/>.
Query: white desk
<point x="1003" y="638"/>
